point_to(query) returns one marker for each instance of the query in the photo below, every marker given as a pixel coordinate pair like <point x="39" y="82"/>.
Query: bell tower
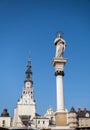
<point x="26" y="106"/>
<point x="28" y="92"/>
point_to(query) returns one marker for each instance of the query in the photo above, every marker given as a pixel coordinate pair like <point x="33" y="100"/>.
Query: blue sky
<point x="30" y="26"/>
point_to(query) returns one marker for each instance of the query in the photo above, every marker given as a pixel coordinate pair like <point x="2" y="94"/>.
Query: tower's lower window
<point x="38" y="122"/>
<point x="3" y="123"/>
<point x="43" y="122"/>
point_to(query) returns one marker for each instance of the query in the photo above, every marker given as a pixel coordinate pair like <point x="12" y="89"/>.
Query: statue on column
<point x="60" y="46"/>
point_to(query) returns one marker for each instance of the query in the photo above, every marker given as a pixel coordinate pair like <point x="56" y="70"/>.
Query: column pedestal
<point x="61" y="118"/>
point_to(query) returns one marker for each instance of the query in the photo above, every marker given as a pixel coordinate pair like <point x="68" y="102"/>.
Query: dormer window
<point x="87" y="115"/>
<point x="43" y="122"/>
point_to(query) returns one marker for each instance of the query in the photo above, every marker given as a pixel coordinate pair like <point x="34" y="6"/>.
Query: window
<point x="23" y="92"/>
<point x="51" y="118"/>
<point x="38" y="122"/>
<point x="87" y="115"/>
<point x="43" y="122"/>
<point x="3" y="123"/>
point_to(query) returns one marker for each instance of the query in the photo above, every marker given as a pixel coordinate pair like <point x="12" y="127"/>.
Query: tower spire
<point x="28" y="72"/>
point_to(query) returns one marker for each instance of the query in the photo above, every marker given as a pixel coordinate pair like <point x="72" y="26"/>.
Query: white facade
<point x="41" y="122"/>
<point x="84" y="122"/>
<point x="5" y="122"/>
<point x="50" y="114"/>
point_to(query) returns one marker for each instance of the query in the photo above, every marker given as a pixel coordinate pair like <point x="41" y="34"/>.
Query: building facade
<point x="79" y="119"/>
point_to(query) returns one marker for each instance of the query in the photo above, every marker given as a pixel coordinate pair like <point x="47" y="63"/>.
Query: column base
<point x="61" y="118"/>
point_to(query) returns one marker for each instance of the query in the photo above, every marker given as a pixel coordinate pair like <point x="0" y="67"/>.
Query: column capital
<point x="59" y="61"/>
<point x="59" y="73"/>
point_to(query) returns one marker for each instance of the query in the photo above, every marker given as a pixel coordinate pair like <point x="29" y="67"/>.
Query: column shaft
<point x="60" y="93"/>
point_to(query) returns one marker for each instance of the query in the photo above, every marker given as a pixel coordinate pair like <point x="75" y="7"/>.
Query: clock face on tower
<point x="27" y="84"/>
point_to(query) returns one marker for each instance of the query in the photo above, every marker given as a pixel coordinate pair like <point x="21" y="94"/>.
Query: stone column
<point x="59" y="62"/>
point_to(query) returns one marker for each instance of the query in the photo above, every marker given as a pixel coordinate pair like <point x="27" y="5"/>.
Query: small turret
<point x="5" y="119"/>
<point x="72" y="118"/>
